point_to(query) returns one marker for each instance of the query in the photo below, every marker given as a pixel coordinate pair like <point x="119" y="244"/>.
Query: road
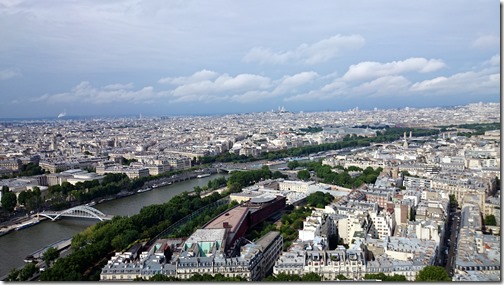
<point x="452" y="243"/>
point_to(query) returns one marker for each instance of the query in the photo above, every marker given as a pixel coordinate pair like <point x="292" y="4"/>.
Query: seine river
<point x="16" y="245"/>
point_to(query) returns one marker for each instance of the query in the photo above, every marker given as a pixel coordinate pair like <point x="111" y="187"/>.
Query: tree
<point x="293" y="164"/>
<point x="453" y="201"/>
<point x="9" y="201"/>
<point x="490" y="220"/>
<point x="50" y="255"/>
<point x="197" y="190"/>
<point x="277" y="174"/>
<point x="319" y="199"/>
<point x="341" y="277"/>
<point x="312" y="276"/>
<point x="5" y="189"/>
<point x="304" y="175"/>
<point x="235" y="188"/>
<point x="383" y="277"/>
<point x="23" y="197"/>
<point x="28" y="271"/>
<point x="13" y="275"/>
<point x="433" y="273"/>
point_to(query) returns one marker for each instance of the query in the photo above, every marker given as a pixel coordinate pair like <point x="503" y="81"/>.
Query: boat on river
<point x="4" y="231"/>
<point x="144" y="190"/>
<point x="203" y="175"/>
<point x="27" y="224"/>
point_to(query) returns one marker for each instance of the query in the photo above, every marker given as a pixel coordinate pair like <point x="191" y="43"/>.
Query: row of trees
<point x="341" y="176"/>
<point x="61" y="196"/>
<point x="428" y="273"/>
<point x="291" y="222"/>
<point x="29" y="169"/>
<point x="479" y="128"/>
<point x="24" y="274"/>
<point x="201" y="219"/>
<point x="194" y="278"/>
<point x="31" y="199"/>
<point x="283" y="277"/>
<point x="319" y="199"/>
<point x="242" y="179"/>
<point x="311" y="129"/>
<point x="213" y="184"/>
<point x="92" y="246"/>
<point x="387" y="135"/>
<point x="9" y="199"/>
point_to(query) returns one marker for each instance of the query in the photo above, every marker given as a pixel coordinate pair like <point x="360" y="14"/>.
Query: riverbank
<point x="11" y="225"/>
<point x="20" y="223"/>
<point x="16" y="245"/>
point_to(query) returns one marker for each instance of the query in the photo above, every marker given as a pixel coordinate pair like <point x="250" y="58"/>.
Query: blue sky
<point x="204" y="57"/>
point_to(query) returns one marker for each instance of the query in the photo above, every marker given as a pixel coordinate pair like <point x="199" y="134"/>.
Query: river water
<point x="16" y="245"/>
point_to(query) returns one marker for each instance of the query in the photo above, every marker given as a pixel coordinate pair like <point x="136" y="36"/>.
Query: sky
<point x="157" y="57"/>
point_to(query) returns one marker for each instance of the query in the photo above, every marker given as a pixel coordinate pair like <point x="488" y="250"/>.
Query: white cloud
<point x="308" y="96"/>
<point x="321" y="51"/>
<point x="390" y="82"/>
<point x="84" y="92"/>
<point x="373" y="69"/>
<point x="8" y="74"/>
<point x="488" y="41"/>
<point x="337" y="88"/>
<point x="289" y="83"/>
<point x="484" y="82"/>
<point x="334" y="86"/>
<point x="242" y="88"/>
<point x="494" y="61"/>
<point x="118" y="86"/>
<point x="250" y="96"/>
<point x="383" y="86"/>
<point x="223" y="84"/>
<point x="197" y="76"/>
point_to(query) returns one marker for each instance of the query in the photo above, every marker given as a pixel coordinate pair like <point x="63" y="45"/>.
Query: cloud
<point x="385" y="80"/>
<point x="362" y="80"/>
<point x="319" y="52"/>
<point x="337" y="88"/>
<point x="289" y="83"/>
<point x="202" y="86"/>
<point x="197" y="76"/>
<point x="383" y="86"/>
<point x="223" y="84"/>
<point x="485" y="81"/>
<point x="485" y="42"/>
<point x="250" y="96"/>
<point x="118" y="86"/>
<point x="84" y="92"/>
<point x="6" y="74"/>
<point x="373" y="69"/>
<point x="494" y="61"/>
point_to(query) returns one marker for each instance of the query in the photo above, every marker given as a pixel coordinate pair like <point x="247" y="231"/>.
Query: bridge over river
<point x="85" y="212"/>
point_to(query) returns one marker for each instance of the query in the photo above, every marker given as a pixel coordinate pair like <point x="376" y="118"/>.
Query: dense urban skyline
<point x="158" y="58"/>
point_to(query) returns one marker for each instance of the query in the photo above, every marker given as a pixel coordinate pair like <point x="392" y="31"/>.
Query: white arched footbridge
<point x="77" y="212"/>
